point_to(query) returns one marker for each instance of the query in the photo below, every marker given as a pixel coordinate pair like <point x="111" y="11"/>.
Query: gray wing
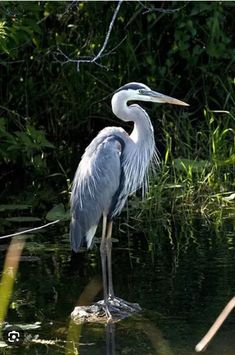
<point x="95" y="183"/>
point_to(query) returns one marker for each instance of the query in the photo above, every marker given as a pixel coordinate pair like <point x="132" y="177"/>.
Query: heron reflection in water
<point x="114" y="166"/>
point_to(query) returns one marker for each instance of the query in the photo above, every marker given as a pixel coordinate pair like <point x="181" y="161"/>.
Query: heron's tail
<point x="77" y="238"/>
<point x="81" y="236"/>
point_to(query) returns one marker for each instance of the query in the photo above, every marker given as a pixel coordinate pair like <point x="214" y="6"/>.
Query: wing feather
<point x="96" y="181"/>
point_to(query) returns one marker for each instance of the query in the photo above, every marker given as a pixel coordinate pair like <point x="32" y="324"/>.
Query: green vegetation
<point x="49" y="111"/>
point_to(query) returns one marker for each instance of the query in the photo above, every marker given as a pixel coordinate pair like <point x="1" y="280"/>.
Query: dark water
<point x="181" y="272"/>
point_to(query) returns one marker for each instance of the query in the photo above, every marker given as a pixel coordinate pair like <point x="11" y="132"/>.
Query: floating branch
<point x="29" y="230"/>
<point x="215" y="327"/>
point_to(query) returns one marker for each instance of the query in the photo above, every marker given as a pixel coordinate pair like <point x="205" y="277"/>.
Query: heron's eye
<point x="141" y="91"/>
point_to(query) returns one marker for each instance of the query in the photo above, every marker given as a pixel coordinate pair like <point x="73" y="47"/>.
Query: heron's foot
<point x="116" y="307"/>
<point x="124" y="305"/>
<point x="111" y="310"/>
<point x="98" y="312"/>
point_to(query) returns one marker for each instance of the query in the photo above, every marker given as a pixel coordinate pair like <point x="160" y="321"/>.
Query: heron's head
<point x="140" y="92"/>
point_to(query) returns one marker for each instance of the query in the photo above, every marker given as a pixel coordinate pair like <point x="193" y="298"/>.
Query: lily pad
<point x="29" y="326"/>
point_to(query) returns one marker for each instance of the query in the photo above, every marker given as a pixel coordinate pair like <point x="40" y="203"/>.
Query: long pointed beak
<point x="154" y="96"/>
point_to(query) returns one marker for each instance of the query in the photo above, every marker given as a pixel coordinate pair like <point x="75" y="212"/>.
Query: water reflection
<point x="182" y="276"/>
<point x="142" y="324"/>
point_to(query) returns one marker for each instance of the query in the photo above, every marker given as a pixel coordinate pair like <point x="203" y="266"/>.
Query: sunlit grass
<point x="201" y="182"/>
<point x="9" y="274"/>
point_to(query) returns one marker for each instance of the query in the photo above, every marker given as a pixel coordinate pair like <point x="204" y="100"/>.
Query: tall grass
<point x="201" y="183"/>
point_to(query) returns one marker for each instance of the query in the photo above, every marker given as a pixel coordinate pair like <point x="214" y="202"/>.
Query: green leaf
<point x="58" y="212"/>
<point x="195" y="165"/>
<point x="14" y="207"/>
<point x="23" y="219"/>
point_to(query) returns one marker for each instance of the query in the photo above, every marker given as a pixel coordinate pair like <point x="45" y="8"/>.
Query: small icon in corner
<point x="13" y="335"/>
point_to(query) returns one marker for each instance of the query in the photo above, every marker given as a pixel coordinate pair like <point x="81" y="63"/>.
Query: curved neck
<point x="120" y="107"/>
<point x="143" y="128"/>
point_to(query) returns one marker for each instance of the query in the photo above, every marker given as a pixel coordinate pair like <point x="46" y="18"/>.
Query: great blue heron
<point x="114" y="165"/>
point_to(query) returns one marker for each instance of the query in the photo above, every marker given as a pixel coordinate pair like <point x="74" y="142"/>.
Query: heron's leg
<point x="109" y="258"/>
<point x="103" y="254"/>
<point x="110" y="339"/>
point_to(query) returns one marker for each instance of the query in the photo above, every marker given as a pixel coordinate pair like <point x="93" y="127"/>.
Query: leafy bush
<point x="50" y="112"/>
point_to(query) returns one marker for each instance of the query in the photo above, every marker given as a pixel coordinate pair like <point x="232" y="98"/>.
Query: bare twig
<point x="29" y="230"/>
<point x="114" y="48"/>
<point x="160" y="9"/>
<point x="100" y="54"/>
<point x="107" y="35"/>
<point x="215" y="327"/>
